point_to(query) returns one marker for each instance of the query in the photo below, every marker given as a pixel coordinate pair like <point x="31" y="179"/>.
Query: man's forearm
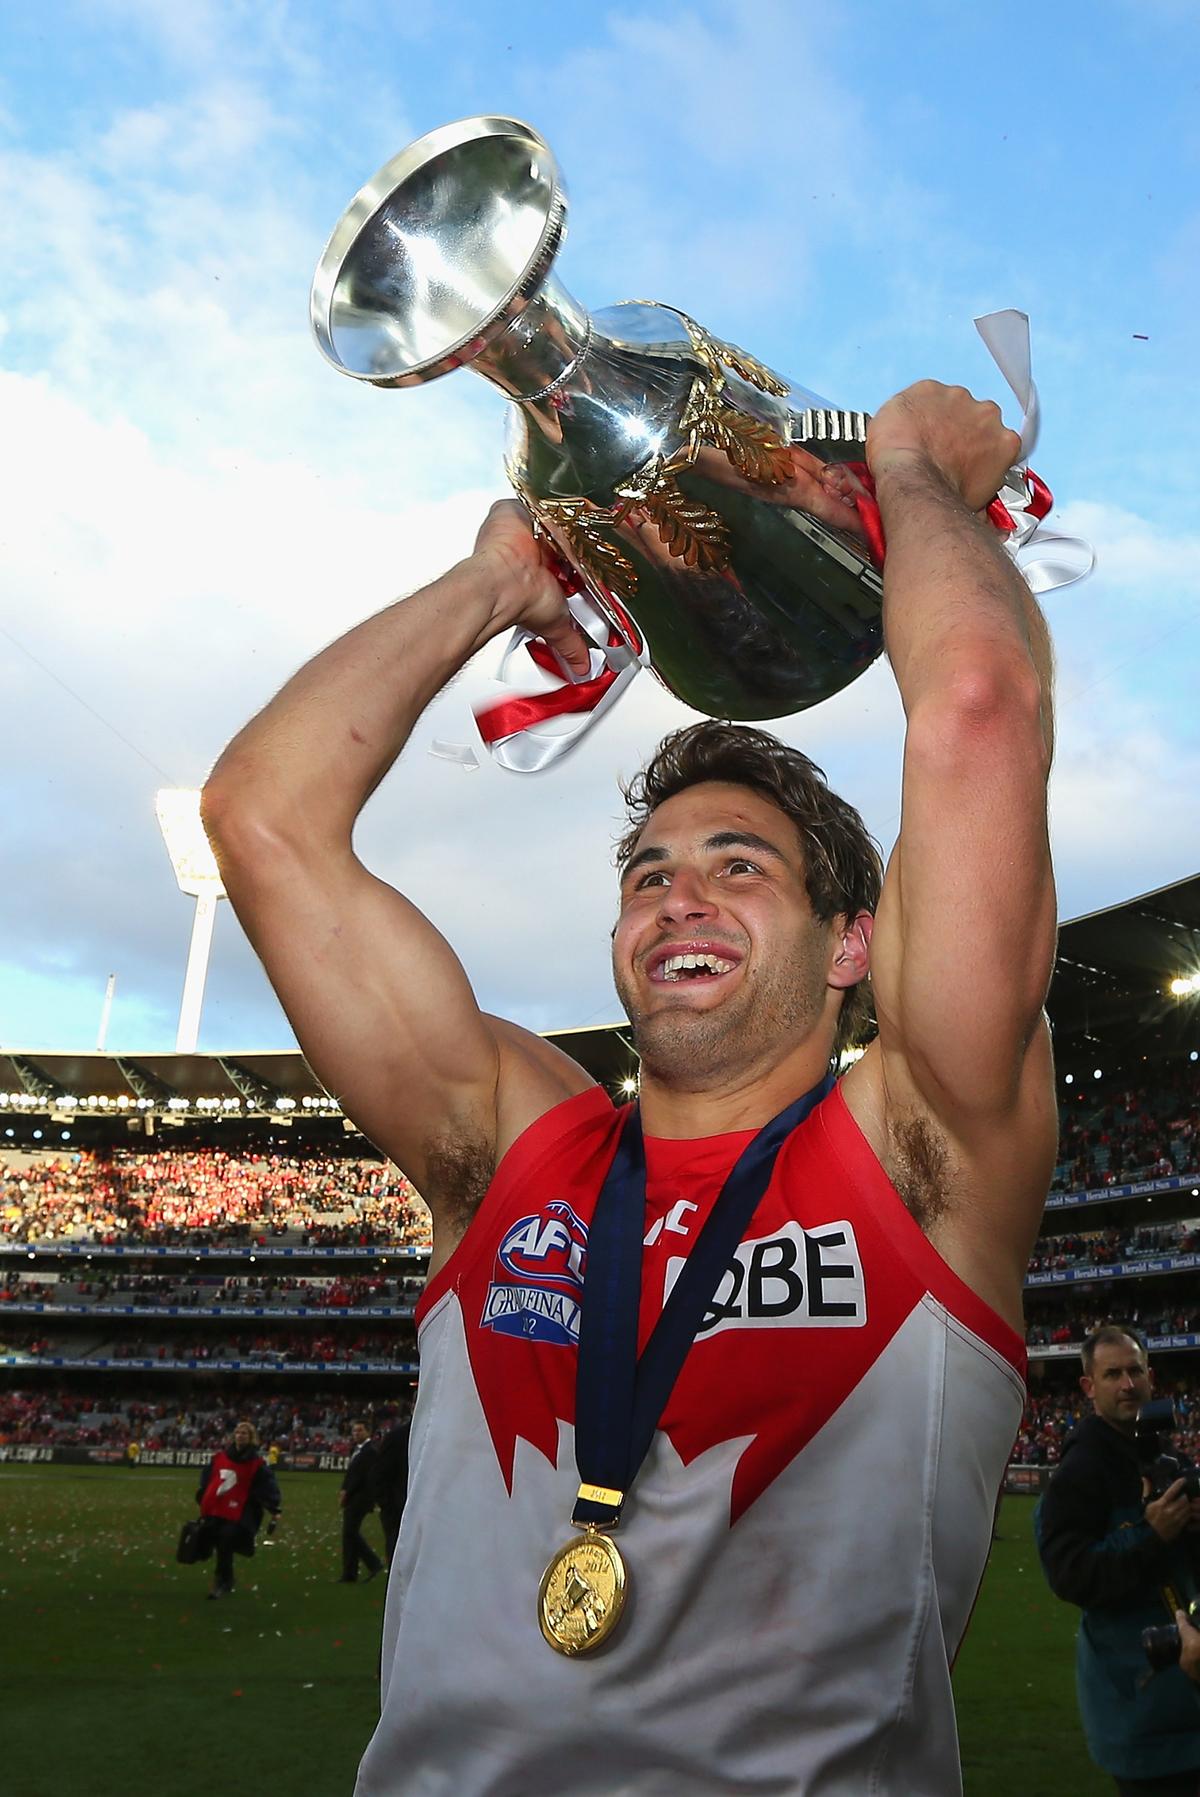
<point x="956" y="610"/>
<point x="313" y="756"/>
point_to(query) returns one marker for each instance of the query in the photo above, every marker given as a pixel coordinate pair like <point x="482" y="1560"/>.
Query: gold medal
<point x="582" y="1594"/>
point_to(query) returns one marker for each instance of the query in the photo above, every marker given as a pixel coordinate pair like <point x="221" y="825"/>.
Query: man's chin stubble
<point x="690" y="1049"/>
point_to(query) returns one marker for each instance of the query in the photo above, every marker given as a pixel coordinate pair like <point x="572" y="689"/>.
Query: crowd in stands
<point x="105" y="1288"/>
<point x="319" y="1423"/>
<point x="1050" y="1417"/>
<point x="1143" y="1132"/>
<point x="1102" y="1247"/>
<point x="213" y="1198"/>
<point x="277" y="1344"/>
<point x="1069" y="1317"/>
<point x="208" y="1198"/>
<point x="292" y="1346"/>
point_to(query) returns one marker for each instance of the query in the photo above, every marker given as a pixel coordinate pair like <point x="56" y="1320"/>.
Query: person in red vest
<point x="236" y="1488"/>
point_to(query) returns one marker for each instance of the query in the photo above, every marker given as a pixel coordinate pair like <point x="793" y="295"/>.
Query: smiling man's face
<point x="717" y="957"/>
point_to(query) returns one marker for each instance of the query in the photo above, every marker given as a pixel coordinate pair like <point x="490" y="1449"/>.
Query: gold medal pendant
<point x="582" y="1594"/>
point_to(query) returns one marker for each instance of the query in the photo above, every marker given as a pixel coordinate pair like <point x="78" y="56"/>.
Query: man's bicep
<point x="380" y="1003"/>
<point x="965" y="933"/>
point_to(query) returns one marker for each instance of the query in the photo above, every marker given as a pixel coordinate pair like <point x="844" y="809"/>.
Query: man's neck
<point x="683" y="1113"/>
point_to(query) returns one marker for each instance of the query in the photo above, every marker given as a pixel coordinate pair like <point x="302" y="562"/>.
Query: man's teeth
<point x="672" y="968"/>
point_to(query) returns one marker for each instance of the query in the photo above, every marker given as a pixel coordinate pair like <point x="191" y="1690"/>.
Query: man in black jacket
<point x="1128" y="1562"/>
<point x="357" y="1498"/>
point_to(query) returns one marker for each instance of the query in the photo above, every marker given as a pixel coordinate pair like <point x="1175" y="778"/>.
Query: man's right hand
<point x="529" y="595"/>
<point x="1169" y="1514"/>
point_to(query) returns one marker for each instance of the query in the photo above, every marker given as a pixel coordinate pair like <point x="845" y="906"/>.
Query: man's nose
<point x="687" y="896"/>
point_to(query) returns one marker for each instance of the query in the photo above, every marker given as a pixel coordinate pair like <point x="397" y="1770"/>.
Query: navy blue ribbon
<point x="620" y="1398"/>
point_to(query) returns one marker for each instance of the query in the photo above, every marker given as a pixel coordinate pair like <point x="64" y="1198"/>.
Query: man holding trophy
<point x="717" y="1390"/>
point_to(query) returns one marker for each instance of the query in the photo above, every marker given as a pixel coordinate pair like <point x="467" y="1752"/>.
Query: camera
<point x="1155" y="1427"/>
<point x="1162" y="1645"/>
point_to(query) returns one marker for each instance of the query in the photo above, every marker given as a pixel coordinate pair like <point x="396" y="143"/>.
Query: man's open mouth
<point x="689" y="966"/>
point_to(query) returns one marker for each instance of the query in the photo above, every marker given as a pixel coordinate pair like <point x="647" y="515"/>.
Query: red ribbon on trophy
<point x="530" y="730"/>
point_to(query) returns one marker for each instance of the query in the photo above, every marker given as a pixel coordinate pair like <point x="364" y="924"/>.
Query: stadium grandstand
<point x="184" y="1238"/>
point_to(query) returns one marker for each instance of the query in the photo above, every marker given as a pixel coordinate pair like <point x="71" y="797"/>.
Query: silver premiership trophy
<point x="672" y="470"/>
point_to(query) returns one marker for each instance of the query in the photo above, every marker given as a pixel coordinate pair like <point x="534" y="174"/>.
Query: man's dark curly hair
<point x="843" y="868"/>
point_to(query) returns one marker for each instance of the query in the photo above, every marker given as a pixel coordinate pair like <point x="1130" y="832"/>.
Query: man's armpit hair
<point x="921" y="1174"/>
<point x="459" y="1169"/>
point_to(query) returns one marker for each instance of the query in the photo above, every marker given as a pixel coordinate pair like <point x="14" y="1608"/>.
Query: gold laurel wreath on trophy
<point x="689" y="530"/>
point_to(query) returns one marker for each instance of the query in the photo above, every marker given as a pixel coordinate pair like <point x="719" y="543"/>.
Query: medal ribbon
<point x="619" y="1397"/>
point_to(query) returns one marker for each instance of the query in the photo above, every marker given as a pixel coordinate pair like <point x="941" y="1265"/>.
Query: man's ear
<point x="852" y="954"/>
<point x="1087" y="1386"/>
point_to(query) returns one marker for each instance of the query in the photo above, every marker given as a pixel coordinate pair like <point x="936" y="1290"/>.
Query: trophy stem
<point x="546" y="342"/>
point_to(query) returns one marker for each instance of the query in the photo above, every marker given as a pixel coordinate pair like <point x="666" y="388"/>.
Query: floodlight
<point x="191" y="854"/>
<point x="198" y="875"/>
<point x="1184" y="985"/>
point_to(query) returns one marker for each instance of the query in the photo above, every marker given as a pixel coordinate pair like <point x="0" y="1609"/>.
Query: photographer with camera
<point x="1118" y="1530"/>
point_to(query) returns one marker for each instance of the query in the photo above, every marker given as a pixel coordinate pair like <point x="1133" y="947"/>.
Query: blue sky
<point x="195" y="502"/>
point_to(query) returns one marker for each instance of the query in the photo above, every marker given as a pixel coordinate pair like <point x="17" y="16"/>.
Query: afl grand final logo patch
<point x="537" y="1281"/>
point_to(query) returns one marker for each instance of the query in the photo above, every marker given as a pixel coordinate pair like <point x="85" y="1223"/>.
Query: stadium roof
<point x="1111" y="986"/>
<point x="1109" y="998"/>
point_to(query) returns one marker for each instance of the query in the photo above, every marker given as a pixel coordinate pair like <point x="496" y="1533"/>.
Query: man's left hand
<point x="963" y="439"/>
<point x="1189" y="1654"/>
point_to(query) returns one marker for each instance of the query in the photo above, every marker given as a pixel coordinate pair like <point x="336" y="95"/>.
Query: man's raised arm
<point x="378" y="1000"/>
<point x="965" y="935"/>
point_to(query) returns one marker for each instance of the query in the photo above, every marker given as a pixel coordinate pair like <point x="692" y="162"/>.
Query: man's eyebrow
<point x="744" y="839"/>
<point x="724" y="839"/>
<point x="640" y="860"/>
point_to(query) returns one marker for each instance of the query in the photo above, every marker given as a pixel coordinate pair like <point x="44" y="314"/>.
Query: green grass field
<point x="118" y="1677"/>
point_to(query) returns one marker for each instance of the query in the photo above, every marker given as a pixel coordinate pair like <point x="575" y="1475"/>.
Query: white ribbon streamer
<point x="538" y="746"/>
<point x="462" y="754"/>
<point x="1046" y="560"/>
<point x="1006" y="335"/>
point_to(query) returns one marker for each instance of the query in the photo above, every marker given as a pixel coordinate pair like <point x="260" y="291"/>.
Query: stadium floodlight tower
<point x="198" y="875"/>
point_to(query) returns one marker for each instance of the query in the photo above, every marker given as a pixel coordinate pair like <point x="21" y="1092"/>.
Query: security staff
<point x="357" y="1499"/>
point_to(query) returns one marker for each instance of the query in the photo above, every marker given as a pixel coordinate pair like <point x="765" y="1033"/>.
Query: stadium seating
<point x="147" y="1295"/>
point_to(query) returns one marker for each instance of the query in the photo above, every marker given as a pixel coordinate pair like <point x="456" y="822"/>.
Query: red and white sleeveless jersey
<point x="804" y="1540"/>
